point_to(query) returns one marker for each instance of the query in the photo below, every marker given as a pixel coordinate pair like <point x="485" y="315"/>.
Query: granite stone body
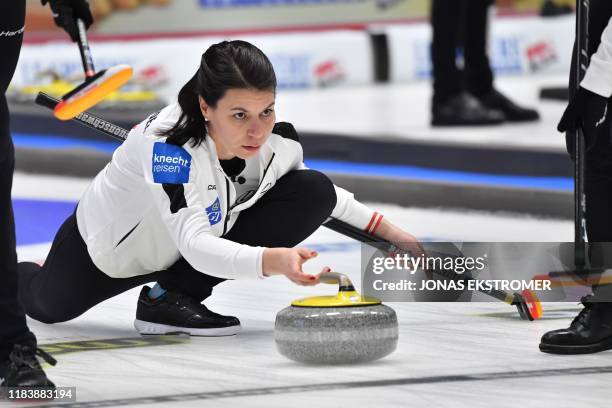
<point x="336" y="335"/>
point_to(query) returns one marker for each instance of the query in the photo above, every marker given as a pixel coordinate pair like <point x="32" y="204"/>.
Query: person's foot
<point x="174" y="312"/>
<point x="464" y="110"/>
<point x="23" y="369"/>
<point x="512" y="112"/>
<point x="589" y="332"/>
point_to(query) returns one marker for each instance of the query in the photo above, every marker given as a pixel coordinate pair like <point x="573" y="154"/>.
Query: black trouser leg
<point x="69" y="283"/>
<point x="598" y="190"/>
<point x="12" y="318"/>
<point x="478" y="73"/>
<point x="598" y="177"/>
<point x="287" y="214"/>
<point x="445" y="23"/>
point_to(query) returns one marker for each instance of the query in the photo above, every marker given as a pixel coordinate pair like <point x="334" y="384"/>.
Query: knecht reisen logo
<point x="170" y="164"/>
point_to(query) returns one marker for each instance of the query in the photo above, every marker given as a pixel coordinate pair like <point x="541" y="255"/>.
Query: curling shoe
<point x="173" y="313"/>
<point x="24" y="370"/>
<point x="589" y="332"/>
<point x="464" y="110"/>
<point x="512" y="112"/>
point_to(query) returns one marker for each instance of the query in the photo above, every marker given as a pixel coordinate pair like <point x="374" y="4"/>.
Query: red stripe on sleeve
<point x="367" y="229"/>
<point x="380" y="217"/>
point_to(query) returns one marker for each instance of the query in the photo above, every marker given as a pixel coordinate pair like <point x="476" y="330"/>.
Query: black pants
<point x="12" y="318"/>
<point x="69" y="283"/>
<point x="455" y="23"/>
<point x="598" y="177"/>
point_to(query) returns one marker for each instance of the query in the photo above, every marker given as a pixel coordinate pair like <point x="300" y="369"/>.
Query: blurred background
<point x="154" y="16"/>
<point x="355" y="78"/>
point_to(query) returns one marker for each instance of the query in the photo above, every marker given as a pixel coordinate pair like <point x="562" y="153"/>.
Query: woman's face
<point x="241" y="122"/>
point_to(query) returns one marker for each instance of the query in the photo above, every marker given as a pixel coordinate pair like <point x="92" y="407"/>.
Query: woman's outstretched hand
<point x="288" y="262"/>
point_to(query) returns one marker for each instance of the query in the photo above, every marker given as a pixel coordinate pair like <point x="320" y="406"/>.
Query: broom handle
<point x="86" y="58"/>
<point x="348" y="230"/>
<point x="582" y="63"/>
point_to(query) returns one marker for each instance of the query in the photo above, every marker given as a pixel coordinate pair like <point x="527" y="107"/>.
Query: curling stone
<point x="343" y="329"/>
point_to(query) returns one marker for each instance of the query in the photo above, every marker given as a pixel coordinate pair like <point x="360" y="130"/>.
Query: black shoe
<point x="177" y="313"/>
<point x="464" y="110"/>
<point x="512" y="112"/>
<point x="589" y="332"/>
<point x="24" y="370"/>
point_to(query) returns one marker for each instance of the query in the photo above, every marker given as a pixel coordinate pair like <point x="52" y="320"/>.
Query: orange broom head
<point x="92" y="91"/>
<point x="533" y="304"/>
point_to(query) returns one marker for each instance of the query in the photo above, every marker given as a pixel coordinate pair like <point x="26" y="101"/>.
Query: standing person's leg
<point x="598" y="191"/>
<point x="286" y="215"/>
<point x="598" y="194"/>
<point x="598" y="177"/>
<point x="17" y="343"/>
<point x="478" y="72"/>
<point x="598" y="180"/>
<point x="12" y="319"/>
<point x="447" y="79"/>
<point x="451" y="104"/>
<point x="13" y="327"/>
<point x="591" y="330"/>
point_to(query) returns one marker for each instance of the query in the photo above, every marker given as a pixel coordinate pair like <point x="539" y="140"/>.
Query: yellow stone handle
<point x="341" y="279"/>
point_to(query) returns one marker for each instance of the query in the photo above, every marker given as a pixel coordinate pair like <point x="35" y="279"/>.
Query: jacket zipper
<point x="228" y="209"/>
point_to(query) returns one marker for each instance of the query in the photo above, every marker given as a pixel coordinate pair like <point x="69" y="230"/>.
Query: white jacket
<point x="155" y="202"/>
<point x="598" y="77"/>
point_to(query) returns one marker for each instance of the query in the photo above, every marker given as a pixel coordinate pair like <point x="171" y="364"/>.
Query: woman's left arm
<point x="353" y="212"/>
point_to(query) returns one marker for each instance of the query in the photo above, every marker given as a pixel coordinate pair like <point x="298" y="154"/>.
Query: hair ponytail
<point x="190" y="122"/>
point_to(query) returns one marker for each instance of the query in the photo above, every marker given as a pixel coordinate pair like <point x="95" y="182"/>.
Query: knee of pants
<point x="317" y="190"/>
<point x="47" y="319"/>
<point x="49" y="313"/>
<point x="38" y="303"/>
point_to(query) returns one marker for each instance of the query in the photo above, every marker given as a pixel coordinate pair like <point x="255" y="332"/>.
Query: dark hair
<point x="225" y="65"/>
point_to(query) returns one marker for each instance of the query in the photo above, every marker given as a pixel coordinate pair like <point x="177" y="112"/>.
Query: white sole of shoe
<point x="159" y="329"/>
